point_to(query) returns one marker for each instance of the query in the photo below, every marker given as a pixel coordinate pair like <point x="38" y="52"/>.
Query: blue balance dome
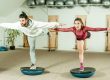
<point x="2" y="48"/>
<point x="28" y="71"/>
<point x="88" y="72"/>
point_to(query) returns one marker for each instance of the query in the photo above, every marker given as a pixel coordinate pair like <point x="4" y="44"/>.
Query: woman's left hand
<point x="108" y="29"/>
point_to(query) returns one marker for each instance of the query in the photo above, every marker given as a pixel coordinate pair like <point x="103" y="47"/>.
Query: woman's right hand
<point x="53" y="29"/>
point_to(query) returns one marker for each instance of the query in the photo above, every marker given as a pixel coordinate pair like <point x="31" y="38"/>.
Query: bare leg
<point x="80" y="47"/>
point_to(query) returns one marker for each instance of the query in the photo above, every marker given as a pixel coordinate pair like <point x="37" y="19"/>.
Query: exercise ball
<point x="31" y="3"/>
<point x="41" y="2"/>
<point x="70" y="3"/>
<point x="28" y="71"/>
<point x="50" y="3"/>
<point x="2" y="48"/>
<point x="106" y="3"/>
<point x="88" y="72"/>
<point x="83" y="3"/>
<point x="59" y="4"/>
<point x="95" y="1"/>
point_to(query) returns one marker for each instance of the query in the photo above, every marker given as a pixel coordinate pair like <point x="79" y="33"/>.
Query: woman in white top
<point x="30" y="28"/>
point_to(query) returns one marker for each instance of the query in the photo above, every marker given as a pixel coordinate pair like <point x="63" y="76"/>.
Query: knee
<point x="32" y="48"/>
<point x="81" y="50"/>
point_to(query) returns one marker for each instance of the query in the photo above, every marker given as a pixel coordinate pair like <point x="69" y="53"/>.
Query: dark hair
<point x="23" y="15"/>
<point x="79" y="19"/>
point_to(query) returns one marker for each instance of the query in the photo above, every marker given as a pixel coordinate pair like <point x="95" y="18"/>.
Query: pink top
<point x="80" y="34"/>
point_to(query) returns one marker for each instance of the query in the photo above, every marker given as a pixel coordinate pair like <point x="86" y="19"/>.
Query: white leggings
<point x="32" y="41"/>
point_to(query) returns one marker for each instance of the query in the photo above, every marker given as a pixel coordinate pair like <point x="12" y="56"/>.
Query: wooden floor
<point x="57" y="64"/>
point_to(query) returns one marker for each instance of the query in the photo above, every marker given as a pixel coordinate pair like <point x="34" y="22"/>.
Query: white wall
<point x="9" y="6"/>
<point x="96" y="17"/>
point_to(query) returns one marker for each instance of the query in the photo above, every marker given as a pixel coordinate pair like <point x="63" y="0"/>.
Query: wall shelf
<point x="70" y="5"/>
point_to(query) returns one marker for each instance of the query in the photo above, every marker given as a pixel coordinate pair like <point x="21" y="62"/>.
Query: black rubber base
<point x="28" y="71"/>
<point x="88" y="72"/>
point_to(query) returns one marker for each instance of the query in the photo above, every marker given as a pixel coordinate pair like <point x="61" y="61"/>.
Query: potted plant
<point x="11" y="36"/>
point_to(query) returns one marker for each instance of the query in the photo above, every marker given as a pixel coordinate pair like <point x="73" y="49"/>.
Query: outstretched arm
<point x="71" y="29"/>
<point x="16" y="26"/>
<point x="10" y="25"/>
<point x="95" y="29"/>
<point x="46" y="24"/>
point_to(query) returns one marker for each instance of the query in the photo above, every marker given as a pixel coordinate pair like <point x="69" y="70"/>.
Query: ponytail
<point x="23" y="15"/>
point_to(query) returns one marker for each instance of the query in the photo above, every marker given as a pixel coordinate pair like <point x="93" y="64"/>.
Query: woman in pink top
<point x="81" y="33"/>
